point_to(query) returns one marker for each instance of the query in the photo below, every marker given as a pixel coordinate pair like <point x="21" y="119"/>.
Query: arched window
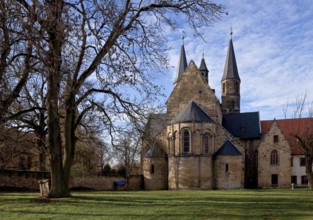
<point x="205" y="144"/>
<point x="186" y="141"/>
<point x="274" y="157"/>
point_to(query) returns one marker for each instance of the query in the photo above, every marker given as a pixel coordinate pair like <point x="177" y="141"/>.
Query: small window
<point x="224" y="89"/>
<point x="274" y="179"/>
<point x="274" y="157"/>
<point x="294" y="179"/>
<point x="206" y="144"/>
<point x="304" y="180"/>
<point x="226" y="168"/>
<point x="186" y="141"/>
<point x="276" y="139"/>
<point x="302" y="162"/>
<point x="152" y="168"/>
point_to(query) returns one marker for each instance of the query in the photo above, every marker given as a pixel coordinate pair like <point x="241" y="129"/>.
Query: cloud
<point x="273" y="43"/>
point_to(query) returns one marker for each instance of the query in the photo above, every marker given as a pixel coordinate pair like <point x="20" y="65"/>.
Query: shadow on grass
<point x="245" y="204"/>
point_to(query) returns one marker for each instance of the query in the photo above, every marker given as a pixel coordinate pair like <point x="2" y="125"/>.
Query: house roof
<point x="228" y="149"/>
<point x="243" y="125"/>
<point x="230" y="68"/>
<point x="192" y="113"/>
<point x="290" y="127"/>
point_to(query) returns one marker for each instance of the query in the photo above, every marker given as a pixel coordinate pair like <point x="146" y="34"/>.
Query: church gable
<point x="274" y="159"/>
<point x="192" y="86"/>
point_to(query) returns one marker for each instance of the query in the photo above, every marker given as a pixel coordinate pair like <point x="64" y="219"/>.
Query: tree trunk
<point x="55" y="30"/>
<point x="42" y="150"/>
<point x="58" y="186"/>
<point x="69" y="136"/>
<point x="309" y="171"/>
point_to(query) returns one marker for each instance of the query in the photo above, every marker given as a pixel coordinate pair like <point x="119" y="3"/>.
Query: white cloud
<point x="273" y="42"/>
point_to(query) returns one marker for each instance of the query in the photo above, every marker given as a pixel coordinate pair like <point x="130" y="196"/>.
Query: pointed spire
<point x="203" y="69"/>
<point x="230" y="69"/>
<point x="182" y="63"/>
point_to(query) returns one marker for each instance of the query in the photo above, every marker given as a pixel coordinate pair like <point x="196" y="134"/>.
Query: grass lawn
<point x="217" y="204"/>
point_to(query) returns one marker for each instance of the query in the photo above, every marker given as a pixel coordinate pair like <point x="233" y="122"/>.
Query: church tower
<point x="204" y="70"/>
<point x="230" y="82"/>
<point x="182" y="63"/>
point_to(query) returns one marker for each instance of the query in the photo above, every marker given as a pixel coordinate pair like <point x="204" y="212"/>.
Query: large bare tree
<point x="94" y="54"/>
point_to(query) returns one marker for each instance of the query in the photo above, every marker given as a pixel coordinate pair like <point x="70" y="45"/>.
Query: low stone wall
<point x="93" y="183"/>
<point x="105" y="183"/>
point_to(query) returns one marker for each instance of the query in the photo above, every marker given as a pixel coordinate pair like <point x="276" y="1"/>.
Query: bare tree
<point x="16" y="53"/>
<point x="302" y="131"/>
<point x="106" y="48"/>
<point x="128" y="147"/>
<point x="29" y="112"/>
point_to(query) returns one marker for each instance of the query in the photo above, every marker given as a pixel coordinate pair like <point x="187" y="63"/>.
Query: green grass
<point x="221" y="204"/>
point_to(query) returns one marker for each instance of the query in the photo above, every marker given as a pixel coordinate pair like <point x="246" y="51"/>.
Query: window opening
<point x="274" y="179"/>
<point x="152" y="168"/>
<point x="276" y="139"/>
<point x="186" y="141"/>
<point x="226" y="168"/>
<point x="274" y="157"/>
<point x="206" y="144"/>
<point x="302" y="162"/>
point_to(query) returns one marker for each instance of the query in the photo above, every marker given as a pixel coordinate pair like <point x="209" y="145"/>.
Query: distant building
<point x="200" y="143"/>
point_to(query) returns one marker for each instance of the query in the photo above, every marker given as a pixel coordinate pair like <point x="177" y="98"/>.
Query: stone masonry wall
<point x="229" y="172"/>
<point x="94" y="183"/>
<point x="190" y="173"/>
<point x="282" y="168"/>
<point x="190" y="87"/>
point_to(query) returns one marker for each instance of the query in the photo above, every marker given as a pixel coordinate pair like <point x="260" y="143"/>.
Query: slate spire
<point x="230" y="82"/>
<point x="204" y="70"/>
<point x="230" y="68"/>
<point x="182" y="63"/>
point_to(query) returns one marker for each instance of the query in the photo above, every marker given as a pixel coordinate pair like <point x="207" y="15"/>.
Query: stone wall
<point x="265" y="167"/>
<point x="93" y="183"/>
<point x="192" y="86"/>
<point x="155" y="179"/>
<point x="229" y="172"/>
<point x="190" y="173"/>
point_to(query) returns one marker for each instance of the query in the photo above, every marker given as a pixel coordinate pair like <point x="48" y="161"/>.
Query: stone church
<point x="202" y="143"/>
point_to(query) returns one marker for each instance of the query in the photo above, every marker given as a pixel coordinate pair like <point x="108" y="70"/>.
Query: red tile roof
<point x="290" y="127"/>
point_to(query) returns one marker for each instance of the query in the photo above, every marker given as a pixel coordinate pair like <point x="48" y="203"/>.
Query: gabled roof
<point x="182" y="64"/>
<point x="227" y="149"/>
<point x="230" y="68"/>
<point x="290" y="127"/>
<point x="243" y="125"/>
<point x="192" y="113"/>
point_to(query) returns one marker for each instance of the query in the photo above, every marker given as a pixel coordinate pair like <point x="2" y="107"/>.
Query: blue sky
<point x="273" y="42"/>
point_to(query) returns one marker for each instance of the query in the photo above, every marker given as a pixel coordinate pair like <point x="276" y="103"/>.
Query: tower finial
<point x="231" y="32"/>
<point x="183" y="37"/>
<point x="202" y="55"/>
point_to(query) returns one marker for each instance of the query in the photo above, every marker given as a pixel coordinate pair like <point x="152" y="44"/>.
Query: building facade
<point x="202" y="143"/>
